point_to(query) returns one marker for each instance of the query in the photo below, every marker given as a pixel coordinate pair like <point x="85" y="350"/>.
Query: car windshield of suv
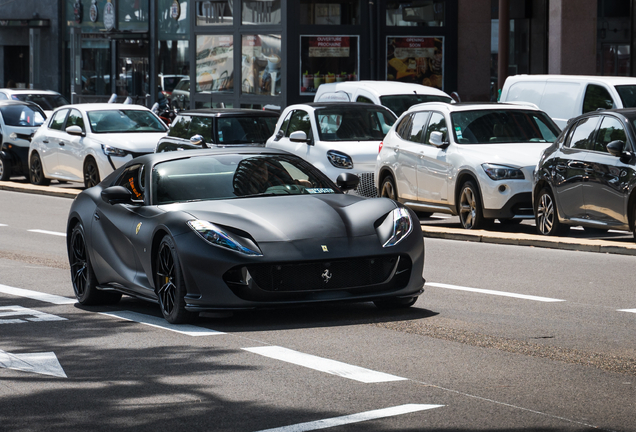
<point x="489" y="126"/>
<point x="124" y="121"/>
<point x="45" y="101"/>
<point x="400" y="103"/>
<point x="346" y="123"/>
<point x="627" y="94"/>
<point x="22" y="115"/>
<point x="236" y="176"/>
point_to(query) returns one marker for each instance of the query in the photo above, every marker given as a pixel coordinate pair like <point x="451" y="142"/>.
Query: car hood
<point x="291" y="218"/>
<point x="516" y="155"/>
<point x="140" y="142"/>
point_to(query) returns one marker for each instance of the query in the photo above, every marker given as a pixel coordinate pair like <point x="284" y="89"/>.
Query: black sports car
<point x="239" y="229"/>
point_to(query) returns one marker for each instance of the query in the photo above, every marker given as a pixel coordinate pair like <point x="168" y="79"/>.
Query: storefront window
<point x="416" y="60"/>
<point x="215" y="13"/>
<point x="215" y="65"/>
<point x="422" y="13"/>
<point x="326" y="59"/>
<point x="96" y="67"/>
<point x="172" y="19"/>
<point x="133" y="15"/>
<point x="261" y="12"/>
<point x="261" y="65"/>
<point x="329" y="12"/>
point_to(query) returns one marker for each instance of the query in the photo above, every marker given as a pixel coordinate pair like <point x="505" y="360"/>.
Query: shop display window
<point x="326" y="59"/>
<point x="417" y="13"/>
<point x="416" y="59"/>
<point x="172" y="19"/>
<point x="261" y="12"/>
<point x="330" y="12"/>
<point x="133" y="15"/>
<point x="261" y="65"/>
<point x="215" y="13"/>
<point x="215" y="64"/>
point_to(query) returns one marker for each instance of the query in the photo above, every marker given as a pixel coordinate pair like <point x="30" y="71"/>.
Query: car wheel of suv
<point x="388" y="189"/>
<point x="5" y="169"/>
<point x="546" y="217"/>
<point x="36" y="173"/>
<point x="470" y="211"/>
<point x="91" y="173"/>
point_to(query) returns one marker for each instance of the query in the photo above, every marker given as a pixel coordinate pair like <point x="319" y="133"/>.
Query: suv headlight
<point x="502" y="172"/>
<point x="113" y="151"/>
<point x="217" y="237"/>
<point x="396" y="226"/>
<point x="339" y="159"/>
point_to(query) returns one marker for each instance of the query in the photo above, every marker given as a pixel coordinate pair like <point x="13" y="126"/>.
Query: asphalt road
<point x="504" y="338"/>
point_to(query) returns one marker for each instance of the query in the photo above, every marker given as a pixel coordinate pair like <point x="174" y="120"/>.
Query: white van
<point x="563" y="97"/>
<point x="396" y="96"/>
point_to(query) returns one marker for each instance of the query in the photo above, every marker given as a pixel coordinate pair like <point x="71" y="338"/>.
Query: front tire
<point x="470" y="208"/>
<point x="170" y="285"/>
<point x="546" y="217"/>
<point x="82" y="275"/>
<point x="91" y="173"/>
<point x="5" y="169"/>
<point x="36" y="172"/>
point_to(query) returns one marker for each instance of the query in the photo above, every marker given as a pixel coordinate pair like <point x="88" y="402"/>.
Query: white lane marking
<point x="31" y="315"/>
<point x="161" y="323"/>
<point x="492" y="292"/>
<point x="55" y="233"/>
<point x="48" y="298"/>
<point x="324" y="365"/>
<point x="353" y="418"/>
<point x="4" y="225"/>
<point x="45" y="363"/>
<point x="627" y="310"/>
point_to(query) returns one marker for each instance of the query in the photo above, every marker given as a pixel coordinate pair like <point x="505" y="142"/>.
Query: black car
<point x="239" y="229"/>
<point x="210" y="127"/>
<point x="587" y="176"/>
<point x="18" y="122"/>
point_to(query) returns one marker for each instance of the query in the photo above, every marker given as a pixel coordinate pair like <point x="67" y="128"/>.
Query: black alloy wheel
<point x="388" y="189"/>
<point x="546" y="217"/>
<point x="91" y="173"/>
<point x="5" y="169"/>
<point x="395" y="303"/>
<point x="82" y="275"/>
<point x="169" y="284"/>
<point x="36" y="173"/>
<point x="470" y="208"/>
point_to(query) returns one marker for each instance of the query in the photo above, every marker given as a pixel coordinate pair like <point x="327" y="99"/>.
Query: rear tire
<point x="5" y="169"/>
<point x="91" y="173"/>
<point x="36" y="172"/>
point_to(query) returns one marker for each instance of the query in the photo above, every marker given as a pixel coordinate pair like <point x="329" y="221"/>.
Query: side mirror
<point x="75" y="131"/>
<point x="615" y="148"/>
<point x="437" y="139"/>
<point x="117" y="195"/>
<point x="347" y="181"/>
<point x="198" y="140"/>
<point x="298" y="136"/>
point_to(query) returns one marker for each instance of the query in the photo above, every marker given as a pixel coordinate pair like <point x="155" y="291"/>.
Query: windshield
<point x="400" y="103"/>
<point x="124" y="121"/>
<point x="22" y="115"/>
<point x="45" y="101"/>
<point x="236" y="176"/>
<point x="627" y="94"/>
<point x="345" y="123"/>
<point x="502" y="126"/>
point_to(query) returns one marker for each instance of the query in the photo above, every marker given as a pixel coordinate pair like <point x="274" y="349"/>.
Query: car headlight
<point x="113" y="151"/>
<point x="217" y="237"/>
<point x="396" y="227"/>
<point x="339" y="159"/>
<point x="502" y="172"/>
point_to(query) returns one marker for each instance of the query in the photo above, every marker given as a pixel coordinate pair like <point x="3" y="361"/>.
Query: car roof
<point x="383" y="88"/>
<point x="28" y="91"/>
<point x="471" y="106"/>
<point x="316" y="105"/>
<point x="103" y="106"/>
<point x="613" y="80"/>
<point x="229" y="112"/>
<point x="15" y="102"/>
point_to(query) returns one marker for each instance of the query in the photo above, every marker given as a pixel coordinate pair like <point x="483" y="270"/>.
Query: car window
<point x="3" y="96"/>
<point x="75" y="119"/>
<point x="437" y="123"/>
<point x="244" y="130"/>
<point x="180" y="127"/>
<point x="627" y="94"/>
<point x="403" y="129"/>
<point x="22" y="115"/>
<point x="133" y="180"/>
<point x="299" y="121"/>
<point x="201" y="126"/>
<point x="418" y="126"/>
<point x="57" y="120"/>
<point x="347" y="123"/>
<point x="124" y="121"/>
<point x="363" y="99"/>
<point x="583" y="135"/>
<point x="611" y="130"/>
<point x="597" y="97"/>
<point x="45" y="101"/>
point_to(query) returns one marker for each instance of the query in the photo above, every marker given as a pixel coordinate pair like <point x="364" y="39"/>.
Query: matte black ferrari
<point x="227" y="229"/>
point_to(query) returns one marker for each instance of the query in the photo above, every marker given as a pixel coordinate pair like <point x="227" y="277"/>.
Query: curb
<point x="39" y="190"/>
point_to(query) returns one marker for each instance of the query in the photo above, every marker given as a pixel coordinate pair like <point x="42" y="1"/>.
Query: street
<point x="504" y="338"/>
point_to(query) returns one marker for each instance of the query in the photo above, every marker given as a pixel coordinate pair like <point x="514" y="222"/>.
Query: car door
<point x="433" y="170"/>
<point x="407" y="155"/>
<point x="571" y="169"/>
<point x="607" y="192"/>
<point x="50" y="143"/>
<point x="71" y="148"/>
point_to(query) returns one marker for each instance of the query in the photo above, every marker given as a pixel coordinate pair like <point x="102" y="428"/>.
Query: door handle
<point x="96" y="216"/>
<point x="61" y="144"/>
<point x="45" y="141"/>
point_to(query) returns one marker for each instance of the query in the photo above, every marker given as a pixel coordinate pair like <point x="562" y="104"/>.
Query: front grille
<point x="366" y="187"/>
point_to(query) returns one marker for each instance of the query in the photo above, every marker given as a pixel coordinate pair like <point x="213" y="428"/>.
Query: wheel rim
<point x="79" y="264"/>
<point x="91" y="176"/>
<point x="388" y="191"/>
<point x="1" y="167"/>
<point x="467" y="207"/>
<point x="36" y="169"/>
<point x="545" y="214"/>
<point x="165" y="279"/>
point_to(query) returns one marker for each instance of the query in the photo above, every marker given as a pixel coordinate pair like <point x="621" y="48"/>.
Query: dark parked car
<point x="239" y="229"/>
<point x="587" y="176"/>
<point x="218" y="127"/>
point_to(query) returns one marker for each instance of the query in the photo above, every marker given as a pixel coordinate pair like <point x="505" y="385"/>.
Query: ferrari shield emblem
<point x="324" y="248"/>
<point x="138" y="228"/>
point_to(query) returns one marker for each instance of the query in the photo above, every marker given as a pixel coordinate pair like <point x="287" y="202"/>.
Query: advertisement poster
<point x="416" y="60"/>
<point x="215" y="66"/>
<point x="261" y="65"/>
<point x="327" y="59"/>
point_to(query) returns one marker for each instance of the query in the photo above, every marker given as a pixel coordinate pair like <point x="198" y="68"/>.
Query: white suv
<point x="471" y="160"/>
<point x="336" y="137"/>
